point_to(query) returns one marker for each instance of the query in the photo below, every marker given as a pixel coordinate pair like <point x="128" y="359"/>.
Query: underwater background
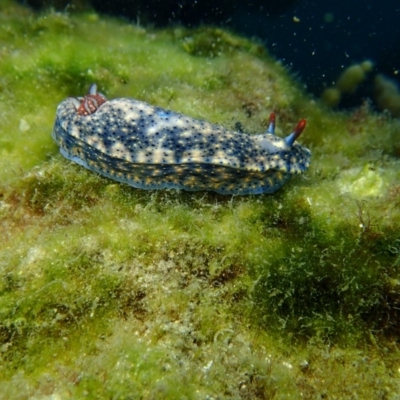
<point x="315" y="40"/>
<point x="107" y="291"/>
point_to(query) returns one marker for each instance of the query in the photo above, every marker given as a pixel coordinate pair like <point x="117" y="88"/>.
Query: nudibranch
<point x="152" y="148"/>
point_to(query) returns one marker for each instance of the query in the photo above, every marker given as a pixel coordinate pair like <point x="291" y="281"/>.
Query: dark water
<point x="329" y="37"/>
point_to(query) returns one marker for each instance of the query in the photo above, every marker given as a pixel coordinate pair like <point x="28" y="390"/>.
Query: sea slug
<point x="152" y="148"/>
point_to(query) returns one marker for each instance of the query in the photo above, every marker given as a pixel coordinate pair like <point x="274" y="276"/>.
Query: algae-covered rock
<point x="107" y="291"/>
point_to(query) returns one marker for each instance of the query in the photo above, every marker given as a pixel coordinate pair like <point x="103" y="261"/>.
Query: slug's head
<point x="286" y="154"/>
<point x="90" y="103"/>
<point x="289" y="140"/>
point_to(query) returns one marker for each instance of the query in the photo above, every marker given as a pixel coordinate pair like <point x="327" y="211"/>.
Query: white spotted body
<point x="151" y="148"/>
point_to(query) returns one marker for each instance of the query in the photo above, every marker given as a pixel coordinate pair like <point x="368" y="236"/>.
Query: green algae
<point x="112" y="292"/>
